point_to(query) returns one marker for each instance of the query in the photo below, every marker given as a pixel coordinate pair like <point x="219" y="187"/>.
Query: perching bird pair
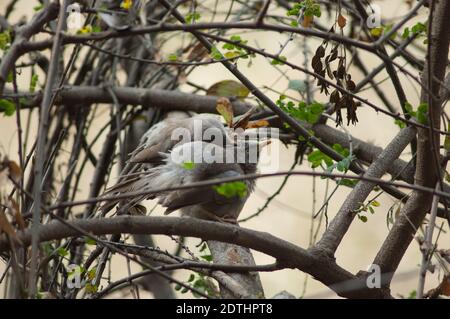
<point x="177" y="152"/>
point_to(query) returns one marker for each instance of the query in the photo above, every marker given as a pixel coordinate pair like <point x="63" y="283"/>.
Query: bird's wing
<point x="206" y="196"/>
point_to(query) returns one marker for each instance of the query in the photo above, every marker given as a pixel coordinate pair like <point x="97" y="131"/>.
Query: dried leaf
<point x="243" y="120"/>
<point x="225" y="109"/>
<point x="6" y="227"/>
<point x="228" y="88"/>
<point x="257" y="124"/>
<point x="445" y="286"/>
<point x="307" y="20"/>
<point x="17" y="215"/>
<point x="342" y="21"/>
<point x="320" y="52"/>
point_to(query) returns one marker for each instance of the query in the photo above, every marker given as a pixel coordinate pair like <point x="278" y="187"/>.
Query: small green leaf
<point x="192" y="17"/>
<point x="281" y="60"/>
<point x="375" y="203"/>
<point x="231" y="54"/>
<point x="38" y="7"/>
<point x="33" y="82"/>
<point x="400" y="123"/>
<point x="7" y="107"/>
<point x="191" y="278"/>
<point x="173" y="57"/>
<point x="294" y="23"/>
<point x="62" y="252"/>
<point x="405" y="34"/>
<point x="447" y="140"/>
<point x="5" y="40"/>
<point x="184" y="290"/>
<point x="362" y="218"/>
<point x="418" y="28"/>
<point x="232" y="189"/>
<point x="188" y="165"/>
<point x="90" y="288"/>
<point x="207" y="257"/>
<point x="376" y="32"/>
<point x="90" y="241"/>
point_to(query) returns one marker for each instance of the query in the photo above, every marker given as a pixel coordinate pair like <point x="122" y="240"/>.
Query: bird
<point x="119" y="14"/>
<point x="217" y="155"/>
<point x="206" y="202"/>
<point x="161" y="138"/>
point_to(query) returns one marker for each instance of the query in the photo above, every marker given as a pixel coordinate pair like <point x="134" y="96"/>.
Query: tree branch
<point x="287" y="254"/>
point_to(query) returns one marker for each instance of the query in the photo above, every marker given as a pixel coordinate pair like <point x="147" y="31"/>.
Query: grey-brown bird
<point x="214" y="156"/>
<point x="207" y="161"/>
<point x="160" y="139"/>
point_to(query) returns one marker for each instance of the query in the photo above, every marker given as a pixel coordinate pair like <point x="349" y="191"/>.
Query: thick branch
<point x="287" y="254"/>
<point x="166" y="99"/>
<point x="413" y="213"/>
<point x="341" y="223"/>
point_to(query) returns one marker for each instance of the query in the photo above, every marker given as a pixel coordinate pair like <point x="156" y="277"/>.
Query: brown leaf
<point x="342" y="21"/>
<point x="243" y="120"/>
<point x="320" y="52"/>
<point x="257" y="124"/>
<point x="14" y="171"/>
<point x="307" y="20"/>
<point x="225" y="109"/>
<point x="17" y="215"/>
<point x="6" y="227"/>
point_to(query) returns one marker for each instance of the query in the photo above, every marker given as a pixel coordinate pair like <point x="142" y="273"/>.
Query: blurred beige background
<point x="289" y="215"/>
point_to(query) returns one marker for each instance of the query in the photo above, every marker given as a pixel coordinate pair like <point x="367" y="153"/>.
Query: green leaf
<point x="348" y="182"/>
<point x="228" y="88"/>
<point x="7" y="107"/>
<point x="184" y="290"/>
<point x="422" y="113"/>
<point x="405" y="34"/>
<point x="207" y="257"/>
<point x="362" y="218"/>
<point x="418" y="28"/>
<point x="192" y="17"/>
<point x="62" y="252"/>
<point x="191" y="278"/>
<point x="376" y="32"/>
<point x="447" y="139"/>
<point x="400" y="123"/>
<point x="89" y="241"/>
<point x="173" y="57"/>
<point x="33" y="82"/>
<point x="177" y="287"/>
<point x="10" y="77"/>
<point x="281" y="60"/>
<point x="412" y="295"/>
<point x="231" y="54"/>
<point x="375" y="203"/>
<point x="90" y="288"/>
<point x="38" y="7"/>
<point x="215" y="54"/>
<point x="232" y="189"/>
<point x="5" y="40"/>
<point x="294" y="23"/>
<point x="188" y="165"/>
